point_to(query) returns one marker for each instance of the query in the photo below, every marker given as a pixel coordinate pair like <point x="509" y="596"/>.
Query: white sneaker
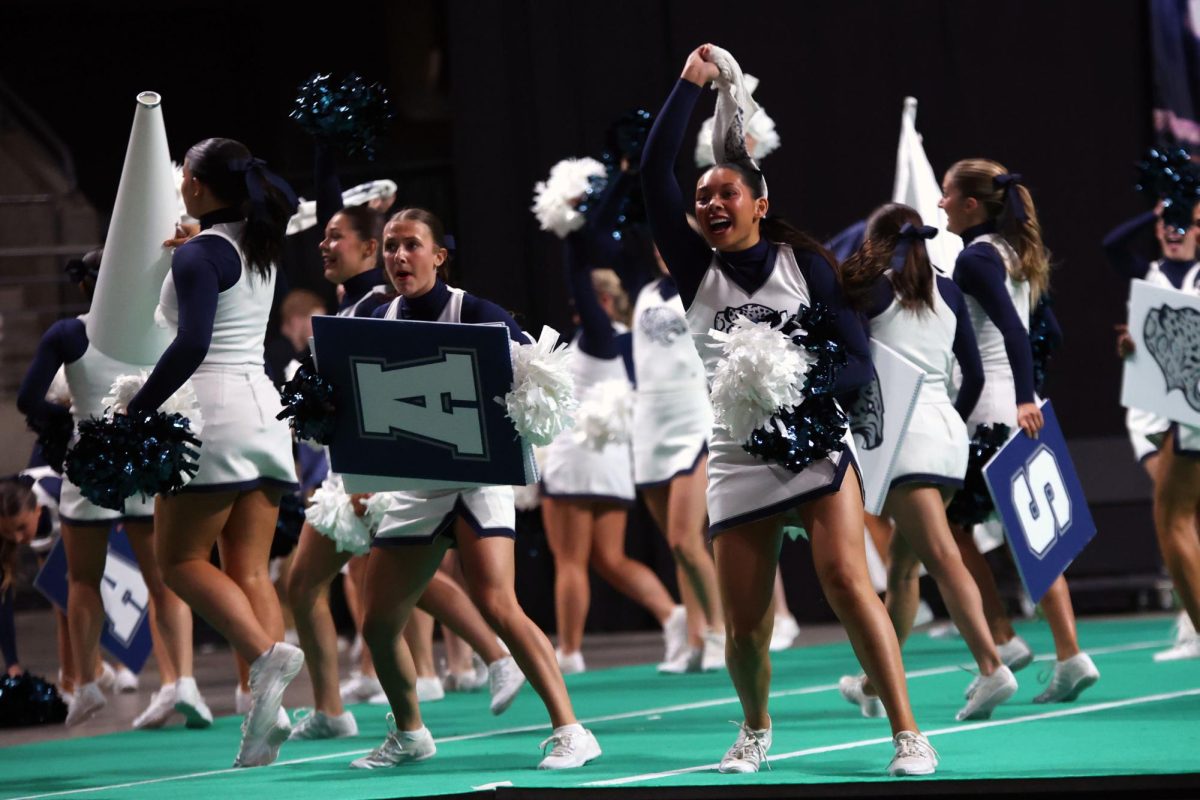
<point x="714" y="651"/>
<point x="675" y="633"/>
<point x="380" y="698"/>
<point x="284" y="722"/>
<point x="398" y="748"/>
<point x="1015" y="653"/>
<point x="319" y="725"/>
<point x="107" y="678"/>
<point x="162" y="706"/>
<point x="1184" y="629"/>
<point x="88" y="700"/>
<point x="924" y="614"/>
<point x="851" y="688"/>
<point x="127" y="680"/>
<point x="262" y="735"/>
<point x="690" y="660"/>
<point x="784" y="633"/>
<point x="570" y="746"/>
<point x="189" y="703"/>
<point x="987" y="692"/>
<point x="1186" y="648"/>
<point x="429" y="690"/>
<point x="471" y="681"/>
<point x="944" y="630"/>
<point x="241" y="701"/>
<point x="748" y="751"/>
<point x="570" y="663"/>
<point x="505" y="679"/>
<point x="914" y="755"/>
<point x="1069" y="680"/>
<point x="356" y="649"/>
<point x="359" y="688"/>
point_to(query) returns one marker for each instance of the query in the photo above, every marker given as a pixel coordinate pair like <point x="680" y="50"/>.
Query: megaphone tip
<point x="149" y="99"/>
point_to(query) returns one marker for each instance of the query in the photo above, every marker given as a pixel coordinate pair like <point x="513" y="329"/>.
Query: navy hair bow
<point x="257" y="176"/>
<point x="909" y="234"/>
<point x="449" y="243"/>
<point x="1007" y="183"/>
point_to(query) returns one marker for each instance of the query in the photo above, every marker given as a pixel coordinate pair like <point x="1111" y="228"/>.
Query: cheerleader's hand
<point x="1125" y="345"/>
<point x="698" y="68"/>
<point x="183" y="232"/>
<point x="358" y="501"/>
<point x="1029" y="419"/>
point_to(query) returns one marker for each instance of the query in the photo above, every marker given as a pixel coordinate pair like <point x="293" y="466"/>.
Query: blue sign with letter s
<point x="1041" y="504"/>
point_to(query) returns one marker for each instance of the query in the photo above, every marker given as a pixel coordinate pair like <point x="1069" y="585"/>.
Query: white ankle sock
<point x="574" y="727"/>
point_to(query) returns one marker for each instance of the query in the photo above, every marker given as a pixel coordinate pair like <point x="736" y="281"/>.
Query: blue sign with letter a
<point x="1040" y="503"/>
<point x="126" y="633"/>
<point x="416" y="404"/>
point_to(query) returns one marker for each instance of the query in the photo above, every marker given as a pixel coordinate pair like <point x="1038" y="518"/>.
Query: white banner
<point x="879" y="419"/>
<point x="1162" y="375"/>
<point x="918" y="186"/>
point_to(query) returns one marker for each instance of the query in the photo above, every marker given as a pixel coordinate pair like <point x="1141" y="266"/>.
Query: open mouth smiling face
<point x="726" y="209"/>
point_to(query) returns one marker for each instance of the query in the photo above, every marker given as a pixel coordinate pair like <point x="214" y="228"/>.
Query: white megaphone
<point x="120" y="323"/>
<point x="917" y="186"/>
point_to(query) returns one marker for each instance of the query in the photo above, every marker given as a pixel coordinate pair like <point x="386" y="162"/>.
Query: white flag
<point x="917" y="185"/>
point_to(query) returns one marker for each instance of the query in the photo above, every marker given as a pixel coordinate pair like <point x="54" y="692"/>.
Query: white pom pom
<point x="605" y="415"/>
<point x="59" y="392"/>
<point x="762" y="372"/>
<point x="331" y="513"/>
<point x="556" y="199"/>
<point x="527" y="498"/>
<point x="761" y="129"/>
<point x="542" y="399"/>
<point x="376" y="505"/>
<point x="183" y="402"/>
<point x="704" y="151"/>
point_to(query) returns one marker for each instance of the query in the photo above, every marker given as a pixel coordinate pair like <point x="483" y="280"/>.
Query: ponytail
<point x="242" y="181"/>
<point x="1009" y="204"/>
<point x="894" y="239"/>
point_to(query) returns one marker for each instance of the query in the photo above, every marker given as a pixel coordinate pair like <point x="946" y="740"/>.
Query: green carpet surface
<point x="657" y="730"/>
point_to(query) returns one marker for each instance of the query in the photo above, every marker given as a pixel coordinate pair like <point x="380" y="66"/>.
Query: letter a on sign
<point x="434" y="401"/>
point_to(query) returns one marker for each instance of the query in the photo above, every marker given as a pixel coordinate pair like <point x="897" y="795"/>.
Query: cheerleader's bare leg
<point x="314" y="566"/>
<point x="488" y="563"/>
<point x="395" y="580"/>
<point x="993" y="606"/>
<point x="835" y="527"/>
<point x="1176" y="503"/>
<point x="569" y="533"/>
<point x="242" y="605"/>
<point x="450" y="605"/>
<point x="170" y="616"/>
<point x="628" y="576"/>
<point x="87" y="550"/>
<point x="418" y="634"/>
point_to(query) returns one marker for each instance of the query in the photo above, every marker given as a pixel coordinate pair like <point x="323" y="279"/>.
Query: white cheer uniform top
<point x="741" y="487"/>
<point x="998" y="401"/>
<point x="672" y="418"/>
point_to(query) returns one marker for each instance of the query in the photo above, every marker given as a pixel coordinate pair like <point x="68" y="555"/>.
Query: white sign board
<point x="879" y="419"/>
<point x="1162" y="375"/>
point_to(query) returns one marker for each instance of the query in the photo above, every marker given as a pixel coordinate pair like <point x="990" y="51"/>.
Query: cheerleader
<point x="1171" y="465"/>
<point x="1004" y="270"/>
<point x="217" y="297"/>
<point x="745" y="265"/>
<point x="587" y="485"/>
<point x="28" y="517"/>
<point x="924" y="318"/>
<point x="85" y="527"/>
<point x="418" y="526"/>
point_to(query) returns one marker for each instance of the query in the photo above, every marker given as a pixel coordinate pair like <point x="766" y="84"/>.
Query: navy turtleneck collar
<point x="227" y="214"/>
<point x="360" y="286"/>
<point x="751" y="267"/>
<point x="975" y="231"/>
<point x="428" y="306"/>
<point x="1183" y="264"/>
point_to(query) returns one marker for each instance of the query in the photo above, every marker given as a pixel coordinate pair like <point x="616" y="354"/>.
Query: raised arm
<point x="201" y="270"/>
<point x="329" y="187"/>
<point x="966" y="350"/>
<point x="1130" y="247"/>
<point x="596" y="335"/>
<point x="685" y="253"/>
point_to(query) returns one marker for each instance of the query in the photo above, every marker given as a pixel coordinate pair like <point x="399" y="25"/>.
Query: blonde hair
<point x="976" y="177"/>
<point x="605" y="281"/>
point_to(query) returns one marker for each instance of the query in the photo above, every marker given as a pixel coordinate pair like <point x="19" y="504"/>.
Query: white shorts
<point x="243" y="445"/>
<point x="743" y="488"/>
<point x="575" y="470"/>
<point x="1144" y="428"/>
<point x="420" y="517"/>
<point x="935" y="448"/>
<point x="670" y="433"/>
<point x="74" y="508"/>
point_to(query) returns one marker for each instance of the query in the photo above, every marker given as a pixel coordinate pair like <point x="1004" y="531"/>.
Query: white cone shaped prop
<point x="121" y="321"/>
<point x="917" y="185"/>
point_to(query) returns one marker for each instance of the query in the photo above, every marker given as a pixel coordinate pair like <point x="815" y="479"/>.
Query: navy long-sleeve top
<point x="597" y="336"/>
<point x="980" y="272"/>
<point x="475" y="310"/>
<point x="201" y="268"/>
<point x="64" y="342"/>
<point x="688" y="256"/>
<point x="1131" y="247"/>
<point x="966" y="351"/>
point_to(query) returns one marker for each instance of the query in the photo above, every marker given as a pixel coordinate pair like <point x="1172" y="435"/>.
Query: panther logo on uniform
<point x="662" y="325"/>
<point x="754" y="312"/>
<point x="866" y="415"/>
<point x="1172" y="336"/>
